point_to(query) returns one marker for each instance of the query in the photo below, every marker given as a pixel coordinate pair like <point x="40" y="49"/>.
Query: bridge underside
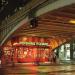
<point x="56" y="26"/>
<point x="56" y="23"/>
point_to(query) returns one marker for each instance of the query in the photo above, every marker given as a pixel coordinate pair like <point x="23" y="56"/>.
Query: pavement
<point x="31" y="69"/>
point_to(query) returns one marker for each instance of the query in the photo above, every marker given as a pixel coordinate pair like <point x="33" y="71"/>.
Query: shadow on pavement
<point x="2" y="71"/>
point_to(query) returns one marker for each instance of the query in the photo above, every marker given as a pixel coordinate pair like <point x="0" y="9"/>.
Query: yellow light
<point x="72" y="21"/>
<point x="15" y="43"/>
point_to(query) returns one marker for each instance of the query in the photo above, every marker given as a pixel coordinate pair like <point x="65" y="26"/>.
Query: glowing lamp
<point x="72" y="21"/>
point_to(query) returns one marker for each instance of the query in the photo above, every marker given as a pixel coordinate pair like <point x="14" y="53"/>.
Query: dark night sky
<point x="7" y="7"/>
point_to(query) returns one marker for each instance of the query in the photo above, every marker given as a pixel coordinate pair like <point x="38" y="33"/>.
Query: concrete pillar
<point x="71" y="50"/>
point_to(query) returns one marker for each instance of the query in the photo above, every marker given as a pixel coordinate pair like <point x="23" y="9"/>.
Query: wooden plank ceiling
<point x="51" y="24"/>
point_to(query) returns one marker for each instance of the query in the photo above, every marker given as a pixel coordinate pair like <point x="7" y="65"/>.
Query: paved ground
<point x="28" y="69"/>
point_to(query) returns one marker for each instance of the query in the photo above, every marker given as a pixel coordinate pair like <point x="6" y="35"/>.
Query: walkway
<point x="28" y="69"/>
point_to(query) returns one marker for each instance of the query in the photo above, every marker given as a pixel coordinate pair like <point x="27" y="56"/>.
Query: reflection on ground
<point x="29" y="69"/>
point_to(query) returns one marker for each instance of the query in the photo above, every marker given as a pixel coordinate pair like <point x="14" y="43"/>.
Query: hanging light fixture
<point x="34" y="23"/>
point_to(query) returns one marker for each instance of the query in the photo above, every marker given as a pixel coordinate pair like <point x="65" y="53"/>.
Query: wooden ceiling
<point x="51" y="24"/>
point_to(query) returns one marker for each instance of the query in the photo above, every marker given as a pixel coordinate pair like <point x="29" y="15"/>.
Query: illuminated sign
<point x="34" y="43"/>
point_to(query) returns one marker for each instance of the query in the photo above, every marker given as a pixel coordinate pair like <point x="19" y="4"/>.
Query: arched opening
<point x="66" y="52"/>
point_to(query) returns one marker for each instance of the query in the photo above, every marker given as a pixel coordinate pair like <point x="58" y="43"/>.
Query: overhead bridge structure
<point x="54" y="19"/>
